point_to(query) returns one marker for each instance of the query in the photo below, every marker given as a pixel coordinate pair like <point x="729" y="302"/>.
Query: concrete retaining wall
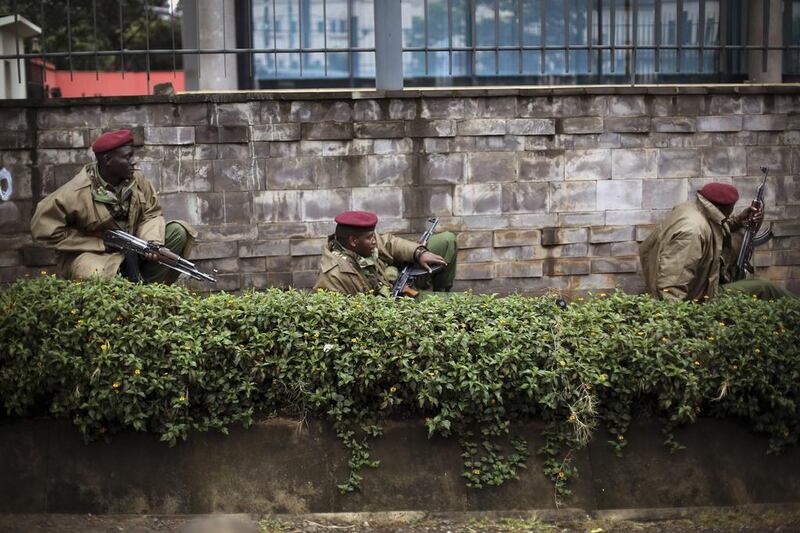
<point x="549" y="188"/>
<point x="282" y="466"/>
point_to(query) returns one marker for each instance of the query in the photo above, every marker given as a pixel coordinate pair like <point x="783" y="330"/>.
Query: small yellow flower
<point x="620" y="437"/>
<point x="562" y="363"/>
<point x="354" y="340"/>
<point x="754" y="297"/>
<point x="640" y="333"/>
<point x="119" y="319"/>
<point x="320" y="290"/>
<point x="588" y="386"/>
<point x="658" y="315"/>
<point x="663" y="339"/>
<point x="572" y="418"/>
<point x="43" y="272"/>
<point x="602" y="377"/>
<point x="137" y="372"/>
<point x="316" y="334"/>
<point x="104" y="347"/>
<point x="73" y="311"/>
<point x="182" y="398"/>
<point x="115" y="385"/>
<point x="697" y="363"/>
<point x="562" y="475"/>
<point x="664" y="290"/>
<point x="393" y="390"/>
<point x="711" y="338"/>
<point x="722" y="324"/>
<point x="705" y="297"/>
<point x="602" y="295"/>
<point x="476" y="472"/>
<point x="735" y="367"/>
<point x="39" y="364"/>
<point x="81" y="322"/>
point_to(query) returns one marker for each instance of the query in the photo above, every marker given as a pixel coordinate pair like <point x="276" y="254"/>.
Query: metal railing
<point x="308" y="42"/>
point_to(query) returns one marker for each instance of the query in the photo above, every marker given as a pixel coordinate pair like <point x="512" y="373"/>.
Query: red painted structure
<point x="90" y="83"/>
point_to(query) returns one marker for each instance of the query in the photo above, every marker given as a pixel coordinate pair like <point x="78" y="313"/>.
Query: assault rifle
<point x="411" y="271"/>
<point x="122" y="240"/>
<point x="752" y="238"/>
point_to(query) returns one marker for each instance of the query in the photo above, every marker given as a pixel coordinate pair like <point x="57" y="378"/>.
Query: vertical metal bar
<point x="275" y="37"/>
<point x="450" y="37"/>
<point x="147" y="37"/>
<point x="121" y="41"/>
<point x="566" y="35"/>
<point x="678" y="35"/>
<point x="657" y="34"/>
<point x="300" y="32"/>
<point x="542" y="30"/>
<point x="249" y="7"/>
<point x="723" y="36"/>
<point x="600" y="37"/>
<point x="496" y="37"/>
<point x="388" y="45"/>
<point x="520" y="29"/>
<point x="44" y="46"/>
<point x="16" y="42"/>
<point x="612" y="35"/>
<point x="702" y="32"/>
<point x="224" y="42"/>
<point x="634" y="40"/>
<point x="69" y="38"/>
<point x="172" y="31"/>
<point x="765" y="35"/>
<point x="425" y="25"/>
<point x="474" y="37"/>
<point x="589" y="37"/>
<point x="349" y="40"/>
<point x="325" y="33"/>
<point x="94" y="27"/>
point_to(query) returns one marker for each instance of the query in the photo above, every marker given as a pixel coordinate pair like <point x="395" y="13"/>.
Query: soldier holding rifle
<point x="694" y="252"/>
<point x="110" y="194"/>
<point x="357" y="259"/>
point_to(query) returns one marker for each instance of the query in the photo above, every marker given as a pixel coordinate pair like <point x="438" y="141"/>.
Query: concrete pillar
<point x="774" y="65"/>
<point x="388" y="45"/>
<point x="209" y="24"/>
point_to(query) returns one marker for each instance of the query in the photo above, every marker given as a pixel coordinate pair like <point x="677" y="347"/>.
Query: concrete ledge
<point x="282" y="466"/>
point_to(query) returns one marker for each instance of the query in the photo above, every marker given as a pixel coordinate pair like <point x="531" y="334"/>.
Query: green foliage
<point x="113" y="356"/>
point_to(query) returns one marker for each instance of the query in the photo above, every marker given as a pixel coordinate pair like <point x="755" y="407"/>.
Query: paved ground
<point x="755" y="520"/>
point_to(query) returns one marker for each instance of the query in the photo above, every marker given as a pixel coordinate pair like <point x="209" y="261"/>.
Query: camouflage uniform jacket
<point x="344" y="271"/>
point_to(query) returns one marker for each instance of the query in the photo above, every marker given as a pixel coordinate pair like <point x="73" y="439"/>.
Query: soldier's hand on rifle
<point x="151" y="256"/>
<point x="754" y="213"/>
<point x="429" y="259"/>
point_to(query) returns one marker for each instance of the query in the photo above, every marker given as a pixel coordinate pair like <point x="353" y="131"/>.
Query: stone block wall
<point x="546" y="189"/>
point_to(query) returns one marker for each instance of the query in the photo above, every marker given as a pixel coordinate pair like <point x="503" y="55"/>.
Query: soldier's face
<point x="363" y="244"/>
<point x="119" y="163"/>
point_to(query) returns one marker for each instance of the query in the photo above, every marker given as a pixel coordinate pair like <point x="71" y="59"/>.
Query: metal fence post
<point x="388" y="45"/>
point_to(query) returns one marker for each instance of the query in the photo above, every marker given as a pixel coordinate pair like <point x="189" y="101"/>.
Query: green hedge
<point x="113" y="356"/>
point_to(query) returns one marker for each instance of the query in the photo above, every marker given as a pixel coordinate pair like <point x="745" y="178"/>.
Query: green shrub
<point x="114" y="356"/>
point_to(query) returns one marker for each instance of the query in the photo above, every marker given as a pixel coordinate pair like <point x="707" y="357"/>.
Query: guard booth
<point x="14" y="29"/>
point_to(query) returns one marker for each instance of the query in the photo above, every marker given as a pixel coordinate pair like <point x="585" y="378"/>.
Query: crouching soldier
<point x="357" y="259"/>
<point x="108" y="194"/>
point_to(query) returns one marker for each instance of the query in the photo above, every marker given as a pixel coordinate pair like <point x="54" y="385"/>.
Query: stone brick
<point x="678" y="163"/>
<point x="227" y="265"/>
<point x="627" y="124"/>
<point x="765" y="122"/>
<point x="566" y="267"/>
<point x="481" y="126"/>
<point x="505" y="143"/>
<point x="177" y="115"/>
<point x="403" y="109"/>
<point x="457" y="108"/>
<point x="626" y="105"/>
<point x="582" y="125"/>
<point x="491" y="167"/>
<point x="469" y="271"/>
<point x="238" y="207"/>
<point x="723" y="161"/>
<point x="385" y="201"/>
<point x="307" y="246"/>
<point x="31" y="256"/>
<point x="65" y="118"/>
<point x="611" y="266"/>
<point x="431" y="128"/>
<point x="719" y="123"/>
<point x="324" y="204"/>
<point x="215" y="250"/>
<point x="477" y="199"/>
<point x="475" y="222"/>
<point x="251" y="264"/>
<point x="11" y="258"/>
<point x="15" y="118"/>
<point x="233" y="151"/>
<point x="542" y="165"/>
<point x="475" y="255"/>
<point x="573" y="196"/>
<point x="689" y="105"/>
<point x="367" y="110"/>
<point x="195" y="208"/>
<point x="322" y="111"/>
<point x="276" y="132"/>
<point x="633" y="163"/>
<point x="537" y="106"/>
<point x="664" y="193"/>
<point x="264" y="248"/>
<point x="553" y="236"/>
<point x="390" y="170"/>
<point x="166" y="135"/>
<point x="787" y="103"/>
<point x="324" y="148"/>
<point x="588" y="165"/>
<point x="327" y="130"/>
<point x="441" y="168"/>
<point x="674" y="124"/>
<point x="427" y="201"/>
<point x="278" y="206"/>
<point x="610" y="234"/>
<point x="724" y="104"/>
<point x="786" y="257"/>
<point x="778" y="159"/>
<point x="379" y="130"/>
<point x="531" y="126"/>
<point x="622" y="249"/>
<point x="582" y="219"/>
<point x="516" y="237"/>
<point x="240" y="113"/>
<point x="634" y="216"/>
<point x="519" y="269"/>
<point x="576" y="106"/>
<point x="179" y="175"/>
<point x="221" y="134"/>
<point x="474" y="239"/>
<point x="530" y="197"/>
<point x="235" y="175"/>
<point x="61" y="139"/>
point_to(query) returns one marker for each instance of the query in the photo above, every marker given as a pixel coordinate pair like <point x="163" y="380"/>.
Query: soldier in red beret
<point x="108" y="194"/>
<point x="689" y="255"/>
<point x="357" y="259"/>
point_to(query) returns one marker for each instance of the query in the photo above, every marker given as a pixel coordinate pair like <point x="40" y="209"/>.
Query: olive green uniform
<point x="72" y="218"/>
<point x="345" y="271"/>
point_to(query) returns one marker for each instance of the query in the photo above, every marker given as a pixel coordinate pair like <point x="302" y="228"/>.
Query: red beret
<point x="720" y="193"/>
<point x="357" y="219"/>
<point x="112" y="139"/>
